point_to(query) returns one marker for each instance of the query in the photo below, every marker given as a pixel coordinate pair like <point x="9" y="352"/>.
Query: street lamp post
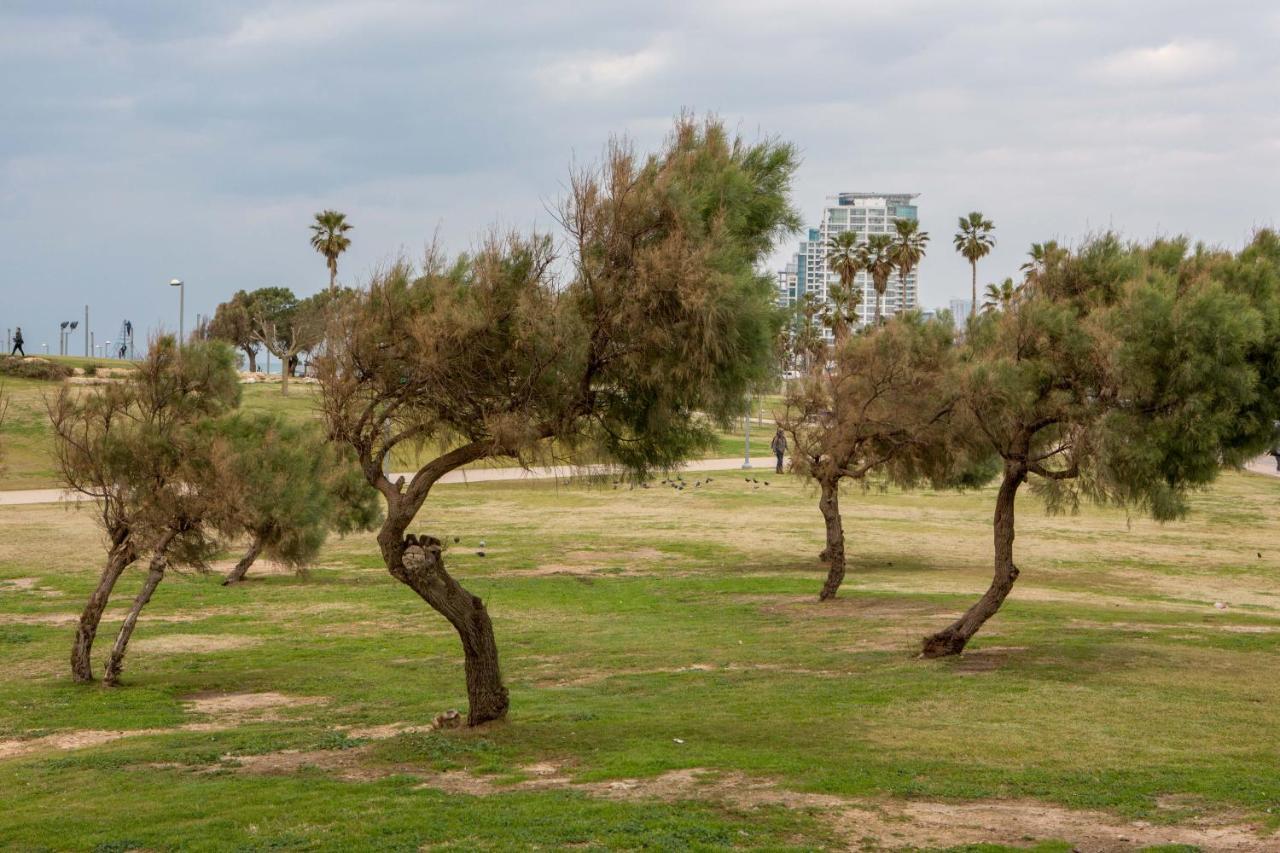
<point x="182" y="307"/>
<point x="746" y="435"/>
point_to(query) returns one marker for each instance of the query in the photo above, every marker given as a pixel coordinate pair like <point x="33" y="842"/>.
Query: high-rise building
<point x="960" y="311"/>
<point x="864" y="213"/>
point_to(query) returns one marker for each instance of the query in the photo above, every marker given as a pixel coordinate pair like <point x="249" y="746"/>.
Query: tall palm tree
<point x="329" y="238"/>
<point x="974" y="241"/>
<point x="844" y="258"/>
<point x="877" y="259"/>
<point x="1000" y="296"/>
<point x="1040" y="258"/>
<point x="809" y="345"/>
<point x="908" y="249"/>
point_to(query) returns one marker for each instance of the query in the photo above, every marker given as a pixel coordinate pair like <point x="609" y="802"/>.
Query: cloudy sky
<point x="146" y="140"/>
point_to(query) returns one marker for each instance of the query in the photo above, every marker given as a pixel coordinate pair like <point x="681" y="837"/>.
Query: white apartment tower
<point x="865" y="213"/>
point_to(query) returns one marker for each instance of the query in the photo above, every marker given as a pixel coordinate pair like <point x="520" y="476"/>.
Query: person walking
<point x="17" y="343"/>
<point x="779" y="447"/>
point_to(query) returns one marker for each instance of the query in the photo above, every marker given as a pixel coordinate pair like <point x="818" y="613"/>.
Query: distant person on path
<point x="779" y="447"/>
<point x="17" y="343"/>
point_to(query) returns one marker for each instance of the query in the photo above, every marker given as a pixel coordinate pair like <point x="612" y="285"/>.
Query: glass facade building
<point x="864" y="213"/>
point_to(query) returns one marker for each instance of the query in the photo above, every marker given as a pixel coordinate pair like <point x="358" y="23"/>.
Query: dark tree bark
<point x="252" y="355"/>
<point x="115" y="665"/>
<point x="250" y="556"/>
<point x="119" y="558"/>
<point x="829" y="503"/>
<point x="417" y="563"/>
<point x="952" y="639"/>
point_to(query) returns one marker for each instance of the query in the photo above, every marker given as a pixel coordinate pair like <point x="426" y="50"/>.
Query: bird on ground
<point x="479" y="553"/>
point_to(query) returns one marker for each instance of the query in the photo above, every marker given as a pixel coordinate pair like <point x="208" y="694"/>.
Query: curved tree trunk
<point x="829" y="503"/>
<point x="118" y="559"/>
<point x="952" y="639"/>
<point x="417" y="562"/>
<point x="115" y="665"/>
<point x="252" y="355"/>
<point x="237" y="574"/>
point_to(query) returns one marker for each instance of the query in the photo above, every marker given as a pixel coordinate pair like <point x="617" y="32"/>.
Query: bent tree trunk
<point x="829" y="503"/>
<point x="952" y="639"/>
<point x="252" y="356"/>
<point x="255" y="548"/>
<point x="115" y="665"/>
<point x="416" y="561"/>
<point x="118" y="559"/>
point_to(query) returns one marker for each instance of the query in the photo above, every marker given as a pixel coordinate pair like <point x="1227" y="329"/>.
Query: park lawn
<point x="644" y="634"/>
<point x="28" y="440"/>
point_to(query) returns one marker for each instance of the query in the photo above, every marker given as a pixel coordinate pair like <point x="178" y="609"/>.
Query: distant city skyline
<point x="149" y="141"/>
<point x="863" y="212"/>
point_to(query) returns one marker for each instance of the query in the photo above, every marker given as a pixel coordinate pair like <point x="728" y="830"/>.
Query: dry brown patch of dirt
<point x="344" y="764"/>
<point x="887" y="822"/>
<point x="194" y="643"/>
<point x="31" y="585"/>
<point x="258" y="569"/>
<point x="66" y="740"/>
<point x="239" y="704"/>
<point x="232" y="709"/>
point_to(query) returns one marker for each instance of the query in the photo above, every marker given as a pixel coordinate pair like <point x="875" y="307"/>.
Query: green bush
<point x="33" y="369"/>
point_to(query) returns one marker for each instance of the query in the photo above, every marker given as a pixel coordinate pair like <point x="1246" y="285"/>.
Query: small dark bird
<point x="479" y="553"/>
<point x="766" y="482"/>
<point x="1259" y="555"/>
<point x="746" y="479"/>
<point x="754" y="480"/>
<point x="457" y="539"/>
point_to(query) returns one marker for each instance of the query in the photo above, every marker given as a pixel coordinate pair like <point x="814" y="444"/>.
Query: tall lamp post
<point x="182" y="299"/>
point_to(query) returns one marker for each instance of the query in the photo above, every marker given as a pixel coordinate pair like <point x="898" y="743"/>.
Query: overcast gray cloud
<point x="145" y="140"/>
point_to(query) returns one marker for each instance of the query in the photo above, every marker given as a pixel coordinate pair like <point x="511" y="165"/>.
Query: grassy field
<point x="28" y="438"/>
<point x="675" y="684"/>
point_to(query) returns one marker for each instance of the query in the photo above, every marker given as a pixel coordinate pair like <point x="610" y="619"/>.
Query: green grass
<point x="630" y="620"/>
<point x="27" y="437"/>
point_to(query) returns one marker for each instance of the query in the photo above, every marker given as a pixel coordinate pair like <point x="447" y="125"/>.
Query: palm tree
<point x="1000" y="296"/>
<point x="878" y="261"/>
<point x="908" y="248"/>
<point x="974" y="241"/>
<point x="844" y="258"/>
<point x="328" y="237"/>
<point x="1040" y="258"/>
<point x="808" y="342"/>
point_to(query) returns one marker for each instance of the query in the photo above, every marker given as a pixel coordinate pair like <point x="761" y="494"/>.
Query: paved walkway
<point x="18" y="497"/>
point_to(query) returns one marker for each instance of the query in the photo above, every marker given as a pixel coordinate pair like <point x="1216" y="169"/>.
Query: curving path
<point x="19" y="497"/>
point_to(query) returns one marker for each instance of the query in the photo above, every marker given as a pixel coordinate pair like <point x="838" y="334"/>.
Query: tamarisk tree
<point x="1129" y="376"/>
<point x="883" y="409"/>
<point x="294" y="487"/>
<point x="662" y="320"/>
<point x="126" y="446"/>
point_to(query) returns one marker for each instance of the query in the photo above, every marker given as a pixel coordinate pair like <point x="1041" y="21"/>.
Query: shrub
<point x="33" y="369"/>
